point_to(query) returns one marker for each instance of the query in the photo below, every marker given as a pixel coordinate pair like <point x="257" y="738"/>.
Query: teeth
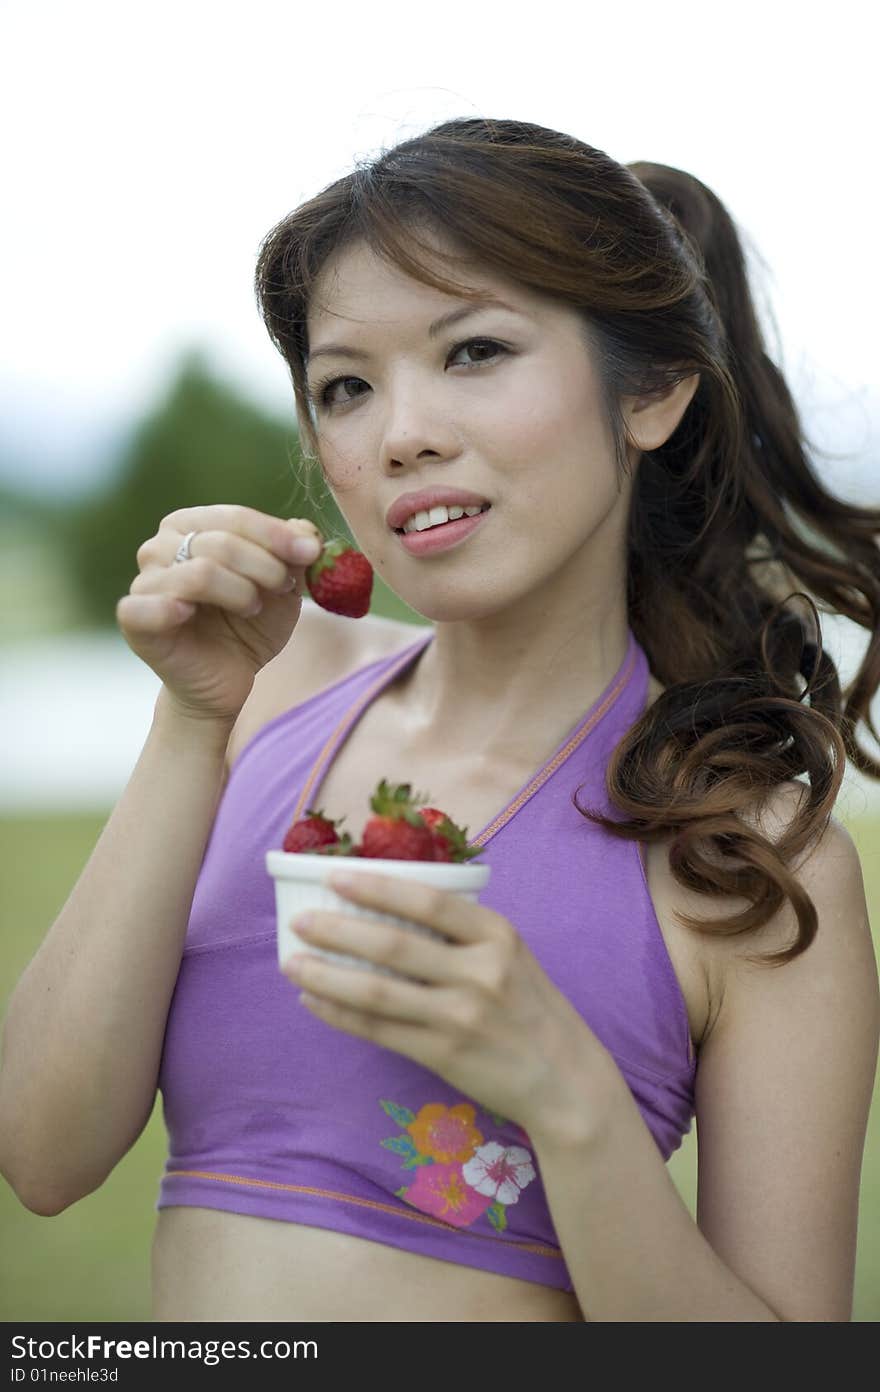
<point x="420" y="521"/>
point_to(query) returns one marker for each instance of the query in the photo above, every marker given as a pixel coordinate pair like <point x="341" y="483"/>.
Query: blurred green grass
<point x="92" y="1262"/>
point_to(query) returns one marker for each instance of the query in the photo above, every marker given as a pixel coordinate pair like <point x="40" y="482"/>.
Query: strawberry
<point x="341" y="579"/>
<point x="317" y="835"/>
<point x="450" y="840"/>
<point x="396" y="832"/>
<point x="342" y="847"/>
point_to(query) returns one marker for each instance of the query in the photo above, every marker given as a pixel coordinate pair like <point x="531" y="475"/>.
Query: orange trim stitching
<point x="364" y="1203"/>
<point x="541" y="778"/>
<point x="351" y="714"/>
<point x="503" y="817"/>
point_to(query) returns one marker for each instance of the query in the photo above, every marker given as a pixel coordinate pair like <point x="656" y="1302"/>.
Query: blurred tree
<point x="203" y="443"/>
<point x="35" y="590"/>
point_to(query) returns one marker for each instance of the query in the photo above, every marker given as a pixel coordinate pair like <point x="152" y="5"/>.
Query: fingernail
<point x="304" y="550"/>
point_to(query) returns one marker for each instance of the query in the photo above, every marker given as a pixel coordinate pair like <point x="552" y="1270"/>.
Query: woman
<point x="618" y="686"/>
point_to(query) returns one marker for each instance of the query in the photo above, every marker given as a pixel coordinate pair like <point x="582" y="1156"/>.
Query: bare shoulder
<point x="828" y="862"/>
<point x="829" y="872"/>
<point x="784" y="1085"/>
<point x="708" y="962"/>
<point x="720" y="956"/>
<point x="323" y="649"/>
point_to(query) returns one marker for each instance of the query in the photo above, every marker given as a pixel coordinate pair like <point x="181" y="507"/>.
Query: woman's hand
<point x="478" y="1010"/>
<point x="208" y="624"/>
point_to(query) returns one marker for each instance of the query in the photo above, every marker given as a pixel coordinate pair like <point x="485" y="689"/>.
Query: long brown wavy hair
<point x="729" y="522"/>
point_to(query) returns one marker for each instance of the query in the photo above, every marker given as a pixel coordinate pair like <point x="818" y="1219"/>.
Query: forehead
<point x="358" y="286"/>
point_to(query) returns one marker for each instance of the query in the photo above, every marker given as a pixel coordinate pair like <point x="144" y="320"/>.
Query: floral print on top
<point x="460" y="1175"/>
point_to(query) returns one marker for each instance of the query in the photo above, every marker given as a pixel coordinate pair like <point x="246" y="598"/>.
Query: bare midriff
<point x="209" y="1265"/>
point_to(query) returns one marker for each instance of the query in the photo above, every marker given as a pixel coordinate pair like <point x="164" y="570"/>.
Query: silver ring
<point x="183" y="551"/>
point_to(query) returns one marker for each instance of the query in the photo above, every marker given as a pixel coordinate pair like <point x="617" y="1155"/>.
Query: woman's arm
<point x="84" y="1027"/>
<point x="783" y="1090"/>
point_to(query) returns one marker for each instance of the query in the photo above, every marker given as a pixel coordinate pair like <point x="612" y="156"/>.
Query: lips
<point x="447" y="537"/>
<point x="408" y="504"/>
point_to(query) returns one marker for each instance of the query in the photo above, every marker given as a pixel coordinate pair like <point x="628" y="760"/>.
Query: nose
<point x="416" y="428"/>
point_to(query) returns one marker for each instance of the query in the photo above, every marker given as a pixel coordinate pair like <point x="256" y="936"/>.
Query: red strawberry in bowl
<point x="396" y="831"/>
<point x="450" y="840"/>
<point x="341" y="579"/>
<point x="316" y="834"/>
<point x="402" y="836"/>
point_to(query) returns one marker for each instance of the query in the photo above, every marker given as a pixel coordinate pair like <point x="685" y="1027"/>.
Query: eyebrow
<point x="444" y="322"/>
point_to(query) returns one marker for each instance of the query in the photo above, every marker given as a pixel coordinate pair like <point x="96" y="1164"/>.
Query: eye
<point x="322" y="393"/>
<point x="480" y="343"/>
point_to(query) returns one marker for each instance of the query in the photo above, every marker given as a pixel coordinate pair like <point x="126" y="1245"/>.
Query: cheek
<point x="566" y="491"/>
<point x="553" y="398"/>
<point x="342" y="468"/>
<point x="557" y="436"/>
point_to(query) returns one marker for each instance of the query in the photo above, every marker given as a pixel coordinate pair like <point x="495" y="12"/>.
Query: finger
<point x="201" y="581"/>
<point x="152" y="614"/>
<point x="237" y="554"/>
<point x="275" y="534"/>
<point x="413" y="1041"/>
<point x="442" y="909"/>
<point x="370" y="993"/>
<point x="402" y="947"/>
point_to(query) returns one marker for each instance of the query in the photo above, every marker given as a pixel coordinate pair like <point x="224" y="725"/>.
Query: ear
<point x="652" y="419"/>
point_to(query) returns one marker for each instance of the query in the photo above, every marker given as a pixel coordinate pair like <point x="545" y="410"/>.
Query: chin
<point x="439" y="607"/>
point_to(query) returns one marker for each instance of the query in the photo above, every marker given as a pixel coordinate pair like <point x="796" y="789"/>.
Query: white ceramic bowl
<point x="300" y="884"/>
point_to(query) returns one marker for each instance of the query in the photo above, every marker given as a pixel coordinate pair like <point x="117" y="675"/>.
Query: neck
<point x="504" y="684"/>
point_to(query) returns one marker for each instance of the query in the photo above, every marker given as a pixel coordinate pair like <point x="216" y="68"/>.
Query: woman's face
<point x="514" y="418"/>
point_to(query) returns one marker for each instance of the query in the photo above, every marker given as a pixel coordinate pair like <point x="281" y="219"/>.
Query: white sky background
<point x="150" y="147"/>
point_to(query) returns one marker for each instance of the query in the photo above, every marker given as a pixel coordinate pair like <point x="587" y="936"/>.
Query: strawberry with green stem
<point x="316" y="834"/>
<point x="450" y="840"/>
<point x="341" y="579"/>
<point x="396" y="831"/>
